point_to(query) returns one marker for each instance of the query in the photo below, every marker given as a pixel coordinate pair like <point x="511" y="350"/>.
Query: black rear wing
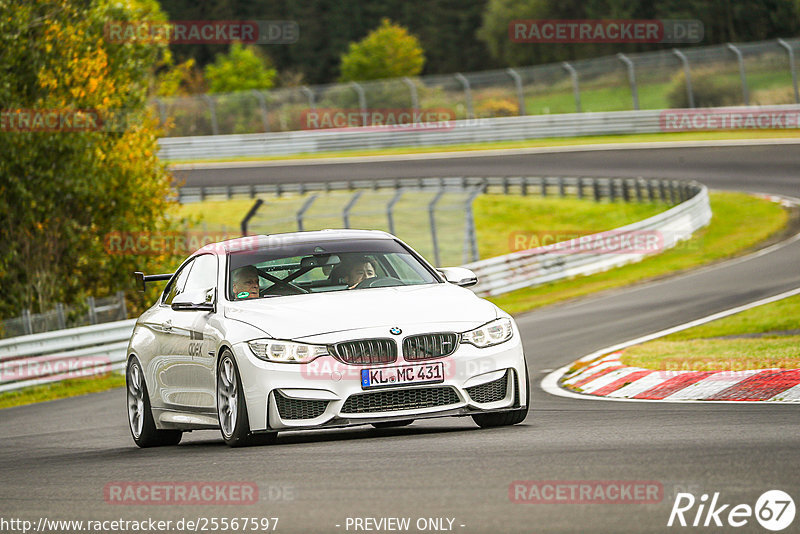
<point x="142" y="278"/>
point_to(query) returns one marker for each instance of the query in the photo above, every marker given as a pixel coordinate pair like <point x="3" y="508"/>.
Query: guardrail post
<point x="92" y="310"/>
<point x="250" y="213"/>
<point x="596" y="189"/>
<point x="520" y="93"/>
<point x="302" y="211"/>
<point x="631" y="79"/>
<point x="348" y="207"/>
<point x="638" y="186"/>
<point x="612" y="191"/>
<point x="26" y="321"/>
<point x="580" y="187"/>
<point x="212" y="112"/>
<point x="390" y="209"/>
<point x="523" y="185"/>
<point x="687" y="72"/>
<point x="792" y="67"/>
<point x="561" y="192"/>
<point x="362" y="101"/>
<point x="740" y="60"/>
<point x="470" y="252"/>
<point x="672" y="193"/>
<point x="432" y="218"/>
<point x="626" y="192"/>
<point x="61" y="317"/>
<point x="505" y="185"/>
<point x="467" y="94"/>
<point x="262" y="104"/>
<point x="651" y="194"/>
<point x="412" y="89"/>
<point x="312" y="102"/>
<point x="575" y="89"/>
<point x="543" y="186"/>
<point x="123" y="309"/>
<point x="662" y="191"/>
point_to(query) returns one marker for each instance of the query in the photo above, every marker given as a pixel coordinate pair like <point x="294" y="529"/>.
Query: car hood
<point x="299" y="316"/>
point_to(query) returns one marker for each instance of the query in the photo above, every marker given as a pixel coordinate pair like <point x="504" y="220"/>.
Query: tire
<point x="393" y="424"/>
<point x="512" y="417"/>
<point x="232" y="408"/>
<point x="140" y="416"/>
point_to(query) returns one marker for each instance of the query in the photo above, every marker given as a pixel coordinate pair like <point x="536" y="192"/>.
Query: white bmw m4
<point x="325" y="329"/>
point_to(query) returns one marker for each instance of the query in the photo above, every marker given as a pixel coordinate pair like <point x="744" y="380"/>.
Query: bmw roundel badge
<point x="395" y="331"/>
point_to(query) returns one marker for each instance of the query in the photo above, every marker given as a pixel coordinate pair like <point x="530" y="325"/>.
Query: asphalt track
<point x="56" y="457"/>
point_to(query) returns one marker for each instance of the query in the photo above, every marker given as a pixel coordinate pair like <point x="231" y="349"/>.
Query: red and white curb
<point x="604" y="377"/>
<point x="609" y="377"/>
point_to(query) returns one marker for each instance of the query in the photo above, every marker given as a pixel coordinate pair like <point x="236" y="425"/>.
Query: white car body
<point x="178" y="351"/>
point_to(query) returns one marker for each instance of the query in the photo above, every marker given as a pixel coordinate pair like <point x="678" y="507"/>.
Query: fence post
<point x="412" y="89"/>
<point x="26" y="321"/>
<point x="740" y="59"/>
<point x="631" y="78"/>
<point x="61" y="317"/>
<point x="251" y="212"/>
<point x="596" y="189"/>
<point x="543" y="186"/>
<point x="262" y="103"/>
<point x="470" y="252"/>
<point x="612" y="191"/>
<point x="348" y="207"/>
<point x="523" y="184"/>
<point x="362" y="101"/>
<point x="390" y="209"/>
<point x="312" y="102"/>
<point x="561" y="191"/>
<point x="123" y="309"/>
<point x="467" y="94"/>
<point x="92" y="310"/>
<point x="212" y="111"/>
<point x="575" y="89"/>
<point x="302" y="211"/>
<point x="638" y="186"/>
<point x="626" y="192"/>
<point x="432" y="218"/>
<point x="580" y="187"/>
<point x="662" y="191"/>
<point x="520" y="94"/>
<point x="687" y="72"/>
<point x="651" y="194"/>
<point x="792" y="67"/>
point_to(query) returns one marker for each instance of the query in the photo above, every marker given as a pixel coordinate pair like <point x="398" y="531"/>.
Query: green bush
<point x="710" y="89"/>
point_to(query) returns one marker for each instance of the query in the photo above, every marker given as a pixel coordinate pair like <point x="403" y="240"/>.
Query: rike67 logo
<point x="774" y="510"/>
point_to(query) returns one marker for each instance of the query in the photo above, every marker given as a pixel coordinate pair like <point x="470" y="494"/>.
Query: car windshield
<point x="299" y="268"/>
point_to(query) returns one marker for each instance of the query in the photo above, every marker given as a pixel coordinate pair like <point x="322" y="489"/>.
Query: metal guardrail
<point x="546" y="264"/>
<point x="455" y="132"/>
<point x="54" y="356"/>
<point x="90" y="350"/>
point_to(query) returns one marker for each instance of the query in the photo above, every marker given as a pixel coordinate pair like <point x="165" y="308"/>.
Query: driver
<point x="245" y="283"/>
<point x="358" y="271"/>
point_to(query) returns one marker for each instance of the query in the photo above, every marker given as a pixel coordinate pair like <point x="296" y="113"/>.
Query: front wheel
<point x="512" y="417"/>
<point x="232" y="409"/>
<point x="140" y="416"/>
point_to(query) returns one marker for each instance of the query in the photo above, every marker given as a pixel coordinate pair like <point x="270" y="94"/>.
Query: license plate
<point x="405" y="374"/>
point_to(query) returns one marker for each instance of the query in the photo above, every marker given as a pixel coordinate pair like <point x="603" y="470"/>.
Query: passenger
<point x="245" y="283"/>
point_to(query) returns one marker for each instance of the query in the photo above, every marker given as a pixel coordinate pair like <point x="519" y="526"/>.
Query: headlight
<point x="273" y="350"/>
<point x="489" y="334"/>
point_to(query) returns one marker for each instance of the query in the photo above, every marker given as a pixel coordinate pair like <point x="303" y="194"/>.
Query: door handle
<point x="167" y="326"/>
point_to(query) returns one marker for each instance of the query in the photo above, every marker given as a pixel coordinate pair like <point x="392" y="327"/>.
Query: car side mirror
<point x="194" y="300"/>
<point x="459" y="276"/>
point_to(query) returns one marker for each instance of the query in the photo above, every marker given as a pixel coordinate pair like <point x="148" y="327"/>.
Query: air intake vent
<point x="403" y="399"/>
<point x="491" y="391"/>
<point x="429" y="346"/>
<point x="299" y="409"/>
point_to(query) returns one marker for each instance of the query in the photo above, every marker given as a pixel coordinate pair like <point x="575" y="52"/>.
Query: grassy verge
<point x="528" y="143"/>
<point x="773" y="342"/>
<point x="61" y="390"/>
<point x="739" y="222"/>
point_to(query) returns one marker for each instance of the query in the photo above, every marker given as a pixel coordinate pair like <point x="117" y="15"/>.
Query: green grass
<point x="740" y="222"/>
<point x="61" y="390"/>
<point x="703" y="347"/>
<point x="528" y="143"/>
<point x="498" y="218"/>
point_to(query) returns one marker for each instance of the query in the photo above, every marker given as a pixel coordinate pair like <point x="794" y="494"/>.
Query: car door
<point x="170" y="363"/>
<point x="195" y="342"/>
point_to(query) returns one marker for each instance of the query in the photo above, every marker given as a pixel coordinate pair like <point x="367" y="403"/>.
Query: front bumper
<point x="329" y="393"/>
